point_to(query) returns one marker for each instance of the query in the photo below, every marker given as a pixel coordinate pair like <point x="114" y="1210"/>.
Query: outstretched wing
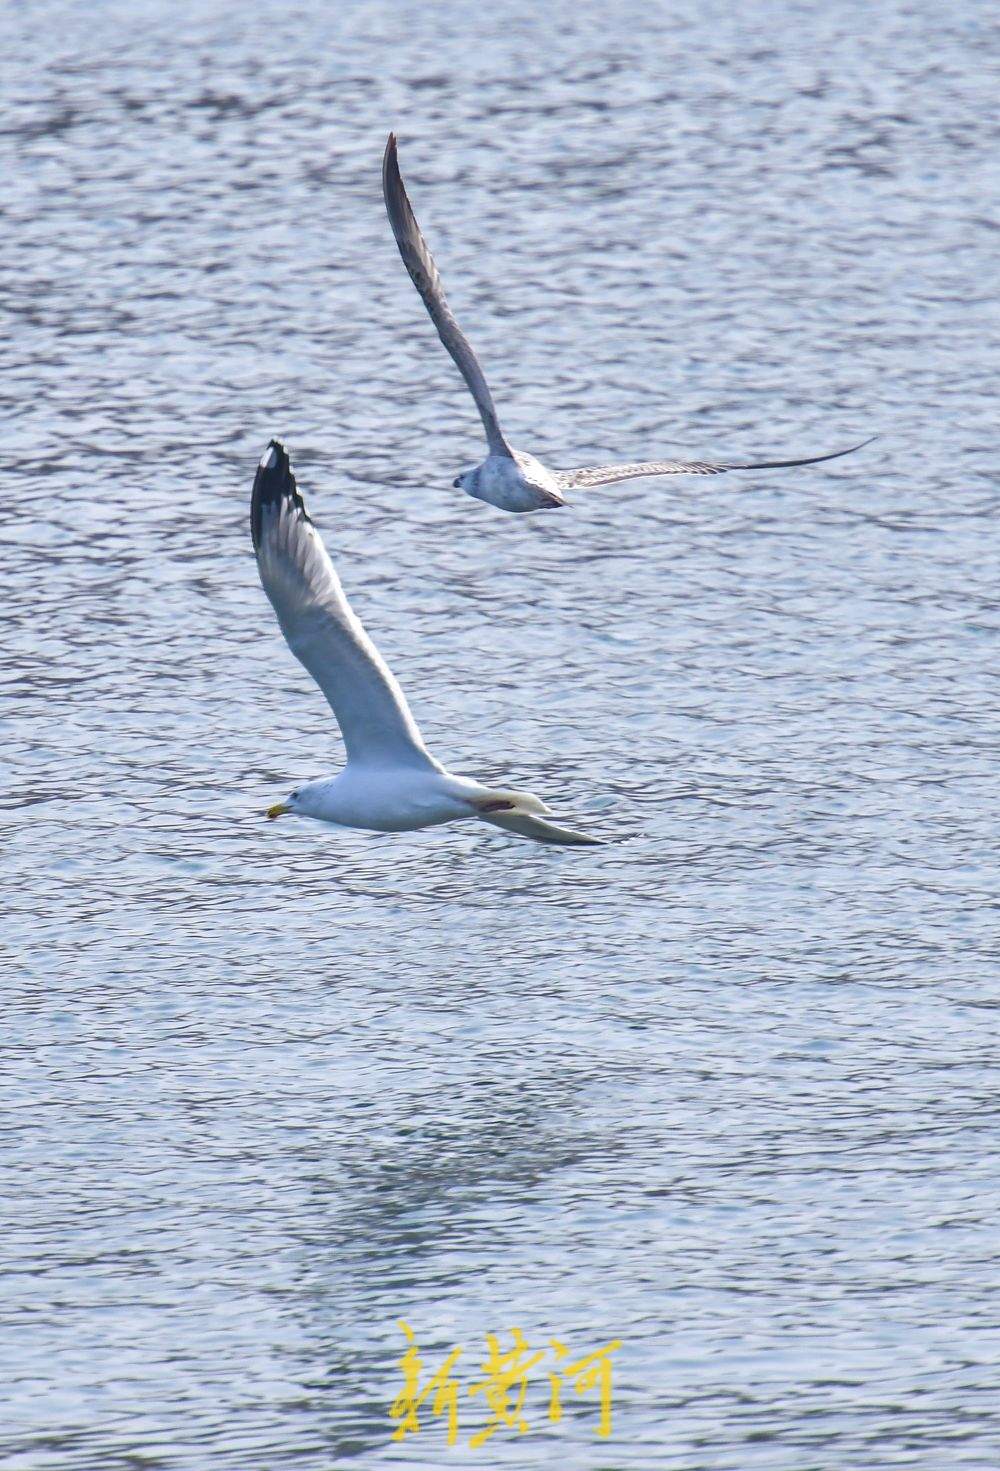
<point x="320" y="627"/>
<point x="605" y="474"/>
<point x="529" y="825"/>
<point x="424" y="274"/>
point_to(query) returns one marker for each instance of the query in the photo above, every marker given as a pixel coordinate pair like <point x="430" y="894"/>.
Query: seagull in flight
<point x="510" y="478"/>
<point x="391" y="782"/>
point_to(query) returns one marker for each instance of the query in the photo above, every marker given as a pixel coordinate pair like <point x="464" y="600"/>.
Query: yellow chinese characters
<point x="503" y="1372"/>
<point x="504" y="1386"/>
<point x="593" y="1369"/>
<point x="411" y="1396"/>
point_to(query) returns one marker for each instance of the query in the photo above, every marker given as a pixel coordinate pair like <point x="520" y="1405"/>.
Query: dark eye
<point x="295" y="796"/>
<point x="457" y="483"/>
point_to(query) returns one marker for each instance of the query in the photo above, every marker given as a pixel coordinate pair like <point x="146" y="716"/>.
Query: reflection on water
<point x="722" y="1090"/>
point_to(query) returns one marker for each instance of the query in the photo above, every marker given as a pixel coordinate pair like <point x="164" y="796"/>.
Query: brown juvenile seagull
<point x="510" y="478"/>
<point x="391" y="783"/>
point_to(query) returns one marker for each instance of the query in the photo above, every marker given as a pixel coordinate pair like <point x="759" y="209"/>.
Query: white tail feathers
<point x="519" y="812"/>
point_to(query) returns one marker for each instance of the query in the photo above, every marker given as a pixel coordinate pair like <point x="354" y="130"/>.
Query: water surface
<point x="724" y="1090"/>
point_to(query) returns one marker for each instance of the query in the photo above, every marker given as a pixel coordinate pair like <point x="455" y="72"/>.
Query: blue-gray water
<point x="725" y="1090"/>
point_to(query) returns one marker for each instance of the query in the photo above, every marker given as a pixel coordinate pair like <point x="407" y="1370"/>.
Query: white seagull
<point x="510" y="478"/>
<point x="391" y="782"/>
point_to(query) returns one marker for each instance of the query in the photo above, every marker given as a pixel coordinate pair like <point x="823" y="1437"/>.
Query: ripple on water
<point x="724" y="1088"/>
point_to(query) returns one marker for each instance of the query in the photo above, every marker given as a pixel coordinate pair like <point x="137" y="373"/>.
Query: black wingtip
<point x="852" y="448"/>
<point x="274" y="460"/>
<point x="390" y="163"/>
<point x="398" y="206"/>
<point x="850" y="451"/>
<point x="273" y="483"/>
<point x="792" y="464"/>
<point x="394" y="193"/>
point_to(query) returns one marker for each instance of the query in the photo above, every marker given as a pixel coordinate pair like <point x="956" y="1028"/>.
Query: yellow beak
<point x="278" y="810"/>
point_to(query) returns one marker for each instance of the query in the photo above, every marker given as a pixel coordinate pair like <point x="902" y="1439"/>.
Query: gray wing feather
<point x="424" y="274"/>
<point x="606" y="474"/>
<point x="320" y="627"/>
<point x="528" y="825"/>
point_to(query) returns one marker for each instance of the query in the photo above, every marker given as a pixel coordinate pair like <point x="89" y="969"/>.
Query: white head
<point x="514" y="483"/>
<point x="301" y="803"/>
<point x="469" y="482"/>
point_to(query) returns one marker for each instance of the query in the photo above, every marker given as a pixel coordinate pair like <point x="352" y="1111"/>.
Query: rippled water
<point x="724" y="1090"/>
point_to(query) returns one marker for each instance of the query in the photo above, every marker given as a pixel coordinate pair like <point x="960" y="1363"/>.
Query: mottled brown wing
<point x="424" y="274"/>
